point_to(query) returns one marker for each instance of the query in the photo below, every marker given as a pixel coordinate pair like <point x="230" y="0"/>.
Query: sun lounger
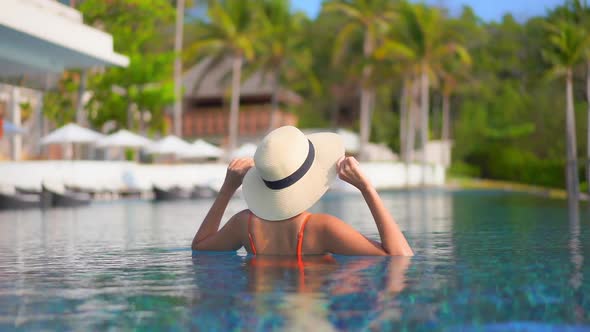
<point x="18" y="201"/>
<point x="53" y="197"/>
<point x="171" y="194"/>
<point x="203" y="192"/>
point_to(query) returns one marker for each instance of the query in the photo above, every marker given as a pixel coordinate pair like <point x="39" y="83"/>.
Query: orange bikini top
<point x="299" y="235"/>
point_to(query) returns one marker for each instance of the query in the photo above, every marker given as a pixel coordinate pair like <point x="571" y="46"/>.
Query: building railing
<point x="214" y="122"/>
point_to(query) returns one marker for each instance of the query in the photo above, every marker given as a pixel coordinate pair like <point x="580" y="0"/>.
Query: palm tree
<point x="228" y="32"/>
<point x="566" y="49"/>
<point x="588" y="125"/>
<point x="400" y="59"/>
<point x="580" y="9"/>
<point x="422" y="44"/>
<point x="373" y="17"/>
<point x="453" y="70"/>
<point x="281" y="51"/>
<point x="422" y="34"/>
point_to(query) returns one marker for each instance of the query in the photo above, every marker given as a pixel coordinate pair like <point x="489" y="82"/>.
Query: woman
<point x="290" y="172"/>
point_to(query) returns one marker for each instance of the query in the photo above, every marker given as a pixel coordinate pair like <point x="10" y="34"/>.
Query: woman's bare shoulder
<point x="240" y="217"/>
<point x="243" y="215"/>
<point x="326" y="220"/>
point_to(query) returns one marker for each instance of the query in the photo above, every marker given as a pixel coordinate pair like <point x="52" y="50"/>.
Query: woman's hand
<point x="236" y="171"/>
<point x="349" y="170"/>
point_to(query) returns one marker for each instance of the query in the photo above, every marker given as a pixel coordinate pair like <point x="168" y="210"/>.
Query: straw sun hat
<point x="291" y="172"/>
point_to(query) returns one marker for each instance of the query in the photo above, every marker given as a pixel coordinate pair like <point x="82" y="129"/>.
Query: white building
<point x="39" y="39"/>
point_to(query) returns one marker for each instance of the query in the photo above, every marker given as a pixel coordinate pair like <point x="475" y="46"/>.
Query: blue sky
<point x="486" y="9"/>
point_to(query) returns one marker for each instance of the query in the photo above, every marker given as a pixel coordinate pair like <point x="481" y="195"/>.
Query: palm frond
<point x="394" y="49"/>
<point x="341" y="41"/>
<point x="345" y="9"/>
<point x="463" y="55"/>
<point x="221" y="20"/>
<point x="567" y="44"/>
<point x="204" y="46"/>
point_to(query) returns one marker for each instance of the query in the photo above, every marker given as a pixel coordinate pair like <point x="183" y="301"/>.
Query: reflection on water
<point x="576" y="258"/>
<point x="275" y="291"/>
<point x="483" y="259"/>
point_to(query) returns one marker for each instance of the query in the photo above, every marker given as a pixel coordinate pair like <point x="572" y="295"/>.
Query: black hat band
<point x="298" y="174"/>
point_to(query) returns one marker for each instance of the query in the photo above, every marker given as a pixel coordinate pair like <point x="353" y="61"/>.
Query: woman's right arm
<point x="393" y="241"/>
<point x="209" y="237"/>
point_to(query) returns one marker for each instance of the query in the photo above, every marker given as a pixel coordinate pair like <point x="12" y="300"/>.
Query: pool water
<point x="485" y="261"/>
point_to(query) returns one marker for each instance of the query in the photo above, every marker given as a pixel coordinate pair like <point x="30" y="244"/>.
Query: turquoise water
<point x="484" y="261"/>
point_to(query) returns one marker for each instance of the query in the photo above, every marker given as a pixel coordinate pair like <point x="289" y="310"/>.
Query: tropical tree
<point x="421" y="45"/>
<point x="59" y="105"/>
<point x="336" y="99"/>
<point x="579" y="10"/>
<point x="144" y="88"/>
<point x="228" y="32"/>
<point x="399" y="59"/>
<point x="423" y="38"/>
<point x="566" y="48"/>
<point x="281" y="51"/>
<point x="373" y="17"/>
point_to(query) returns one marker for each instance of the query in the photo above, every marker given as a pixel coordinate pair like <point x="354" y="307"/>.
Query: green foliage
<point x="310" y="118"/>
<point x="386" y="120"/>
<point x="60" y="106"/>
<point x="281" y="47"/>
<point x="370" y="18"/>
<point x="144" y="86"/>
<point x="512" y="164"/>
<point x="228" y="30"/>
<point x="384" y="129"/>
<point x="461" y="169"/>
<point x="128" y="96"/>
<point x="510" y="124"/>
<point x="568" y="44"/>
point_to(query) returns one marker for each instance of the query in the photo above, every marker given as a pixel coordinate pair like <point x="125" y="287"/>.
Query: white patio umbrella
<point x="123" y="139"/>
<point x="244" y="151"/>
<point x="202" y="149"/>
<point x="169" y="145"/>
<point x="71" y="134"/>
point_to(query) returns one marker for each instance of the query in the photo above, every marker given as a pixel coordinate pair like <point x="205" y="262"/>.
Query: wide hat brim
<point x="270" y="204"/>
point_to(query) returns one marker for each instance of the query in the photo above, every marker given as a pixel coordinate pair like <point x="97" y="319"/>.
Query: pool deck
<point x="120" y="176"/>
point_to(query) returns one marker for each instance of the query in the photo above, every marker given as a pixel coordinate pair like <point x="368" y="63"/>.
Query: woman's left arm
<point x="208" y="237"/>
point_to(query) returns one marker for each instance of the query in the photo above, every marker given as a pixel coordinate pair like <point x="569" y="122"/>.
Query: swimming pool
<point x="484" y="261"/>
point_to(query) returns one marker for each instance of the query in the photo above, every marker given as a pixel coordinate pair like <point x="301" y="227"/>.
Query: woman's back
<point x="294" y="236"/>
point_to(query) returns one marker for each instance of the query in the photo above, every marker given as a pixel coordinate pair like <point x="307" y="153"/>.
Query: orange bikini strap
<point x="302" y="286"/>
<point x="250" y="234"/>
<point x="300" y="236"/>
